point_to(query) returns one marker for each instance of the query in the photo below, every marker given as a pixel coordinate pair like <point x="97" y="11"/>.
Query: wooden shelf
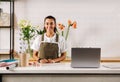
<point x="5" y="0"/>
<point x="10" y="27"/>
<point x="103" y="59"/>
<point x="4" y="26"/>
<point x="110" y="59"/>
<point x="4" y="52"/>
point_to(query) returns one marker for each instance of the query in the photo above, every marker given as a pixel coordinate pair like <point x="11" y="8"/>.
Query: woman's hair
<point x="50" y="17"/>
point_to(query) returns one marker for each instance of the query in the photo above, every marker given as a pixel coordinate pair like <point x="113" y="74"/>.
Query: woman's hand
<point x="51" y="61"/>
<point x="44" y="61"/>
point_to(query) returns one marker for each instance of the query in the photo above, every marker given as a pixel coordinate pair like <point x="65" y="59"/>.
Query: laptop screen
<point x="85" y="57"/>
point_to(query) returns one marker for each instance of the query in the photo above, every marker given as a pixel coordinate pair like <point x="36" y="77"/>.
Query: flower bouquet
<point x="28" y="32"/>
<point x="65" y="32"/>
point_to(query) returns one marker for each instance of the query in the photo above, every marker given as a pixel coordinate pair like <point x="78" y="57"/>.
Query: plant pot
<point x="24" y="59"/>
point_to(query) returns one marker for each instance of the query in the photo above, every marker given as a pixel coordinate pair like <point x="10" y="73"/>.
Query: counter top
<point x="64" y="68"/>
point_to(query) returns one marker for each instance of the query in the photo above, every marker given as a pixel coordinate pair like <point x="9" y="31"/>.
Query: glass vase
<point x="29" y="51"/>
<point x="68" y="49"/>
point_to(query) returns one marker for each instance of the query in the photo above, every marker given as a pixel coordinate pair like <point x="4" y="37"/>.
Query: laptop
<point x="85" y="57"/>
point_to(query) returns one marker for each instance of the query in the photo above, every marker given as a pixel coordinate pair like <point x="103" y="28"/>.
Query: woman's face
<point x="49" y="25"/>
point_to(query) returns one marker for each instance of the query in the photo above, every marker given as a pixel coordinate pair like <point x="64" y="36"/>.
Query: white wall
<point x="98" y="20"/>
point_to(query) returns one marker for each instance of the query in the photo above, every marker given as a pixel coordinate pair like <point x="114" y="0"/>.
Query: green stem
<point x="29" y="49"/>
<point x="57" y="32"/>
<point x="62" y="33"/>
<point x="67" y="32"/>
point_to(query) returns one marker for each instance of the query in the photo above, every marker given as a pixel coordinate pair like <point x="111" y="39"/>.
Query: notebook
<point x="115" y="65"/>
<point x="7" y="62"/>
<point x="85" y="57"/>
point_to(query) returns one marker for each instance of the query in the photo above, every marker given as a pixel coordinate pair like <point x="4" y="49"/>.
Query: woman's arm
<point x="62" y="57"/>
<point x="35" y="55"/>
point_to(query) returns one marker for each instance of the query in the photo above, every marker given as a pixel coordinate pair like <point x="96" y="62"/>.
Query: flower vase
<point x="68" y="49"/>
<point x="24" y="59"/>
<point x="28" y="48"/>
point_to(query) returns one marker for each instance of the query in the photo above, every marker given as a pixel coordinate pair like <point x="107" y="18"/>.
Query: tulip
<point x="74" y="25"/>
<point x="61" y="26"/>
<point x="69" y="22"/>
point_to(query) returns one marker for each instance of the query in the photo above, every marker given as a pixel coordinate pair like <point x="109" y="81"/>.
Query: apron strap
<point x="57" y="37"/>
<point x="42" y="38"/>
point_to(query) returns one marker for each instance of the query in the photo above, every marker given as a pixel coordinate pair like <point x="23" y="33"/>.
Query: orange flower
<point x="61" y="26"/>
<point x="69" y="22"/>
<point x="74" y="25"/>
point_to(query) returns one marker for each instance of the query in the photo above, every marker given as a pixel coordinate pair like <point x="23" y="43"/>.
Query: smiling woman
<point x="49" y="47"/>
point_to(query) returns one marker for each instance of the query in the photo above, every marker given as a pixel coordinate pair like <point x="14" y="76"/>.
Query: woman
<point x="50" y="46"/>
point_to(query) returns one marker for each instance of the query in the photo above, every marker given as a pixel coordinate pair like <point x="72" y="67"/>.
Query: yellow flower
<point x="26" y="29"/>
<point x="25" y="24"/>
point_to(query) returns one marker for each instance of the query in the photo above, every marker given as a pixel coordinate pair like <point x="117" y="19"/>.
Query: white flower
<point x="25" y="24"/>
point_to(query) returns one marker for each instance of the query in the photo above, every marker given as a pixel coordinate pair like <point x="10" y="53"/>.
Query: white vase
<point x="68" y="49"/>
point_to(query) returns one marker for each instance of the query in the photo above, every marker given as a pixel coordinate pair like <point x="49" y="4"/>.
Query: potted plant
<point x="27" y="33"/>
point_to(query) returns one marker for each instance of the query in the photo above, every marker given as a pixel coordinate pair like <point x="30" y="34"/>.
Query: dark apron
<point x="49" y="50"/>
